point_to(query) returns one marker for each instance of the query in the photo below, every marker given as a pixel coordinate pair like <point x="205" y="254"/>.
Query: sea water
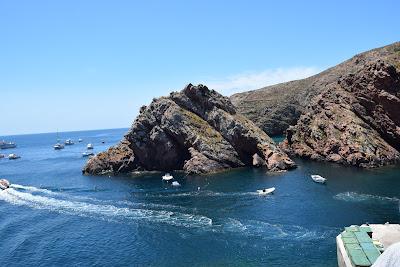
<point x="54" y="216"/>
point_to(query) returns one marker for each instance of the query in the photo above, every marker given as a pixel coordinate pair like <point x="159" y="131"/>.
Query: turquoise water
<point x="54" y="216"/>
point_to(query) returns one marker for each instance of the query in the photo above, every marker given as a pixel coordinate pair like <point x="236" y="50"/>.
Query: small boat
<point x="167" y="177"/>
<point x="69" y="142"/>
<point x="103" y="142"/>
<point x="89" y="146"/>
<point x="58" y="146"/>
<point x="4" y="184"/>
<point x="6" y="145"/>
<point x="13" y="156"/>
<point x="2" y="156"/>
<point x="87" y="154"/>
<point x="318" y="179"/>
<point x="176" y="183"/>
<point x="80" y="140"/>
<point x="266" y="191"/>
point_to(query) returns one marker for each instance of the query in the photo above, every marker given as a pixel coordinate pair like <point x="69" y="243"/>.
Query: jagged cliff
<point x="275" y="108"/>
<point x="196" y="130"/>
<point x="355" y="121"/>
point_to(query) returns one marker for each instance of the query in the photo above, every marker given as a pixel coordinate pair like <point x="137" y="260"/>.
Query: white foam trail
<point x="107" y="212"/>
<point x="204" y="193"/>
<point x="33" y="189"/>
<point x="356" y="197"/>
<point x="276" y="231"/>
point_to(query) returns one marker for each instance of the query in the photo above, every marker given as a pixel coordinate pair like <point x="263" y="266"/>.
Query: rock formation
<point x="275" y="108"/>
<point x="197" y="130"/>
<point x="355" y="121"/>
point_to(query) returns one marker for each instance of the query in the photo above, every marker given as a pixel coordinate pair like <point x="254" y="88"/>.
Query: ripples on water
<point x="54" y="216"/>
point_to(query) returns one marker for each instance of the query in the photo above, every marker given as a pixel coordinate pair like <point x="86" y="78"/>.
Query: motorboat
<point x="13" y="156"/>
<point x="58" y="146"/>
<point x="80" y="140"/>
<point x="176" y="183"/>
<point x="69" y="142"/>
<point x="89" y="146"/>
<point x="266" y="191"/>
<point x="6" y="145"/>
<point x="4" y="184"/>
<point x="87" y="154"/>
<point x="318" y="179"/>
<point x="167" y="177"/>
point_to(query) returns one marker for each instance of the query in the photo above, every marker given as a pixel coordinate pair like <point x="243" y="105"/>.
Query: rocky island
<point x="196" y="130"/>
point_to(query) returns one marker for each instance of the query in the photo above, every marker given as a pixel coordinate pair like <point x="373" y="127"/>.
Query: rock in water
<point x="354" y="122"/>
<point x="197" y="130"/>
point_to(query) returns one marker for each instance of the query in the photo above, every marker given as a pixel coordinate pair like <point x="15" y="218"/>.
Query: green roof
<point x="359" y="245"/>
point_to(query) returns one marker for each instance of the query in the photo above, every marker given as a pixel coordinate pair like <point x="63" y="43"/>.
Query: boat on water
<point x="266" y="191"/>
<point x="167" y="177"/>
<point x="80" y="140"/>
<point x="2" y="156"/>
<point x="318" y="179"/>
<point x="89" y="146"/>
<point x="58" y="146"/>
<point x="176" y="183"/>
<point x="7" y="145"/>
<point x="4" y="184"/>
<point x="13" y="156"/>
<point x="69" y="142"/>
<point x="87" y="154"/>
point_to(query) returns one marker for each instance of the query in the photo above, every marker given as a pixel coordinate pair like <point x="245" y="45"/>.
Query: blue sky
<point x="75" y="65"/>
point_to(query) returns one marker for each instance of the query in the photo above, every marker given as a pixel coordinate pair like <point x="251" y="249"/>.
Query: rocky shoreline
<point x="196" y="130"/>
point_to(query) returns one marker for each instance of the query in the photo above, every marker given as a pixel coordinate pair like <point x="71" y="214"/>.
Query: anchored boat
<point x="6" y="145"/>
<point x="13" y="156"/>
<point x="167" y="177"/>
<point x="318" y="179"/>
<point x="69" y="142"/>
<point x="89" y="146"/>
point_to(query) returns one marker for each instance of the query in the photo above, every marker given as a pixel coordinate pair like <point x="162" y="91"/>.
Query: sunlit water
<point x="54" y="216"/>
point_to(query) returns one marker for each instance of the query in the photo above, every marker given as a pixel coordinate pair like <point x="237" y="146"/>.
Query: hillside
<point x="275" y="108"/>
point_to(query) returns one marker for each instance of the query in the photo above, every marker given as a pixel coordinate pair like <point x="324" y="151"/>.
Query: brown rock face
<point x="354" y="122"/>
<point x="197" y="130"/>
<point x="275" y="108"/>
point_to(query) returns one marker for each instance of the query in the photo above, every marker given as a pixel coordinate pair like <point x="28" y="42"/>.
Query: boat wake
<point x="356" y="197"/>
<point x="101" y="211"/>
<point x="271" y="231"/>
<point x="202" y="193"/>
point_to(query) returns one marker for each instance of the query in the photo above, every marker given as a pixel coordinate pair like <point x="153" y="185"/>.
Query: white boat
<point x="89" y="146"/>
<point x="266" y="191"/>
<point x="80" y="140"/>
<point x="176" y="183"/>
<point x="87" y="154"/>
<point x="69" y="142"/>
<point x="6" y="145"/>
<point x="58" y="146"/>
<point x="13" y="156"/>
<point x="167" y="177"/>
<point x="318" y="179"/>
<point x="4" y="184"/>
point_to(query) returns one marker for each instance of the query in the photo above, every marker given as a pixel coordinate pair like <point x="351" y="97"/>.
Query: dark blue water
<point x="54" y="216"/>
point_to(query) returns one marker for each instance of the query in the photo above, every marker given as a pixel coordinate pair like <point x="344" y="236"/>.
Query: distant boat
<point x="13" y="156"/>
<point x="103" y="142"/>
<point x="318" y="179"/>
<point x="6" y="145"/>
<point x="167" y="177"/>
<point x="58" y="146"/>
<point x="176" y="183"/>
<point x="69" y="142"/>
<point x="266" y="191"/>
<point x="4" y="184"/>
<point x="2" y="156"/>
<point x="87" y="154"/>
<point x="80" y="140"/>
<point x="89" y="146"/>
